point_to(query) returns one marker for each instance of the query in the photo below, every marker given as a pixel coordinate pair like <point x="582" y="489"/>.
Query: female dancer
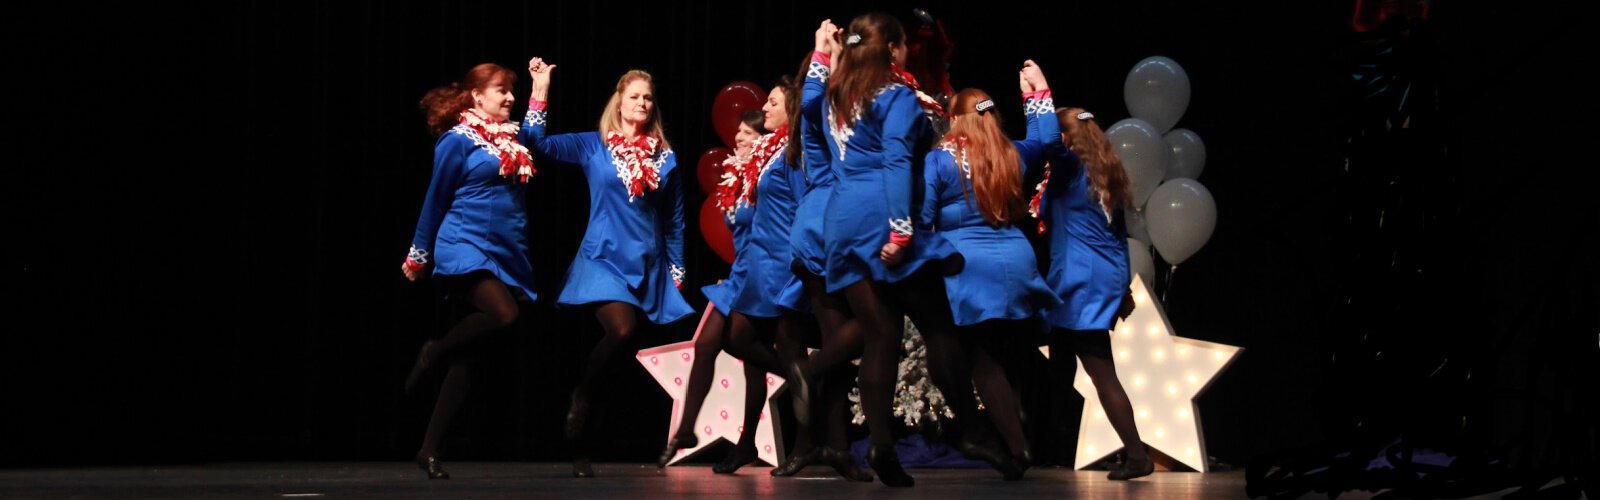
<point x="876" y="126"/>
<point x="744" y="312"/>
<point x="631" y="258"/>
<point x="1082" y="210"/>
<point x="841" y="333"/>
<point x="974" y="193"/>
<point x="470" y="230"/>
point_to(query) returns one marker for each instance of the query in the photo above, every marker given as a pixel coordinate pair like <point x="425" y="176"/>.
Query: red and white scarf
<point x="503" y="136"/>
<point x="904" y="77"/>
<point x="741" y="175"/>
<point x="633" y="161"/>
<point x="1038" y="195"/>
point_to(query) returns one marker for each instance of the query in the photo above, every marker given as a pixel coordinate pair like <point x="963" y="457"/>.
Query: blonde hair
<point x="611" y="118"/>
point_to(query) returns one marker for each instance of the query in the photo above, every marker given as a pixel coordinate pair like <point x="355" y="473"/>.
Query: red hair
<point x="1104" y="167"/>
<point x="996" y="170"/>
<point x="442" y="104"/>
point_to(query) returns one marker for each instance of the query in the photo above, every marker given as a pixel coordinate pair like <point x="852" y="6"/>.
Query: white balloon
<point x="1144" y="155"/>
<point x="1188" y="154"/>
<point x="1182" y="215"/>
<point x="1157" y="91"/>
<point x="1138" y="228"/>
<point x="1139" y="260"/>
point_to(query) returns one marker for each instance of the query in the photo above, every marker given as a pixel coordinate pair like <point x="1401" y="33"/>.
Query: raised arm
<point x="568" y="148"/>
<point x="817" y="71"/>
<point x="1044" y="127"/>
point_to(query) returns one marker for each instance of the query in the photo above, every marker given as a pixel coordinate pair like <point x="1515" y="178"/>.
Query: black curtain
<point x="206" y="271"/>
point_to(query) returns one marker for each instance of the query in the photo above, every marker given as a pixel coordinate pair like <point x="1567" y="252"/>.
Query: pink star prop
<point x="722" y="415"/>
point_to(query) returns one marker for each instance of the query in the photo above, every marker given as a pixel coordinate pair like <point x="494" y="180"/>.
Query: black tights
<point x="1093" y="348"/>
<point x="950" y="361"/>
<point x="982" y="343"/>
<point x="496" y="310"/>
<point x="881" y="327"/>
<point x="841" y="342"/>
<point x="750" y="340"/>
<point x="618" y="320"/>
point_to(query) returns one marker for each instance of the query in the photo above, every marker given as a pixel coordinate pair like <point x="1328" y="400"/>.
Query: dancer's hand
<point x="826" y="39"/>
<point x="539" y="74"/>
<point x="1035" y="77"/>
<point x="1022" y="81"/>
<point x="411" y="274"/>
<point x="892" y="254"/>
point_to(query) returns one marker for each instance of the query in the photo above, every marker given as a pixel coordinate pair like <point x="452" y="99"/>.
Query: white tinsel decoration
<point x="915" y="398"/>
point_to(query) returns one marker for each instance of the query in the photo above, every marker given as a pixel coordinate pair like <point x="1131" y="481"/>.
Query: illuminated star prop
<point x="722" y="415"/>
<point x="1162" y="374"/>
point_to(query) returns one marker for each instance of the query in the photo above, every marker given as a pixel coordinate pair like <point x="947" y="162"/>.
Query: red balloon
<point x="714" y="227"/>
<point x="709" y="170"/>
<point x="732" y="101"/>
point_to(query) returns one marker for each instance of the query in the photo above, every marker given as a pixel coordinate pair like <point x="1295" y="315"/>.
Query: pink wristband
<point x="904" y="240"/>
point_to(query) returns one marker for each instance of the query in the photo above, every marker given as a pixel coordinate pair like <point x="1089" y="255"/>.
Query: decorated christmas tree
<point x="916" y="400"/>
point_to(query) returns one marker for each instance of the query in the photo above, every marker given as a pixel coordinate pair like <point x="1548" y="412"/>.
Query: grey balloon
<point x="1140" y="262"/>
<point x="1144" y="155"/>
<point x="1138" y="227"/>
<point x="1181" y="214"/>
<point x="1157" y="91"/>
<point x="1188" y="154"/>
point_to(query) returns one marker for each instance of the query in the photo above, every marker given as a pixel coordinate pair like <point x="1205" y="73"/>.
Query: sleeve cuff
<point x="416" y="259"/>
<point x="900" y="231"/>
<point x="903" y="240"/>
<point x="537" y="105"/>
<point x="821" y="58"/>
<point x="1037" y="94"/>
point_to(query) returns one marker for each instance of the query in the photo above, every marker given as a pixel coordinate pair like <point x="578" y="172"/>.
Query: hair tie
<point x="1085" y="116"/>
<point x="984" y="106"/>
<point x="853" y="40"/>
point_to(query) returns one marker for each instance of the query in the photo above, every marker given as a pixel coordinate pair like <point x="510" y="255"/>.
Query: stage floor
<point x="554" y="480"/>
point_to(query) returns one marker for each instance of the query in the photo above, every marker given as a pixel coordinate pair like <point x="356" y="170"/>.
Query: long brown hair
<point x="863" y="67"/>
<point x="611" y="118"/>
<point x="441" y="105"/>
<point x="1105" y="168"/>
<point x="996" y="171"/>
<point x="793" y="154"/>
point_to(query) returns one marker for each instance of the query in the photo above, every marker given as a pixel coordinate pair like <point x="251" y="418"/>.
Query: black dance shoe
<point x="886" y="463"/>
<point x="993" y="454"/>
<point x="432" y="466"/>
<point x="845" y="465"/>
<point x="678" y="442"/>
<point x="797" y="462"/>
<point x="739" y="457"/>
<point x="1024" y="460"/>
<point x="1130" y="469"/>
<point x="581" y="468"/>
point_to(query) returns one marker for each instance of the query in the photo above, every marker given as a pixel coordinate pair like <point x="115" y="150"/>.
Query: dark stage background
<point x="205" y="252"/>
